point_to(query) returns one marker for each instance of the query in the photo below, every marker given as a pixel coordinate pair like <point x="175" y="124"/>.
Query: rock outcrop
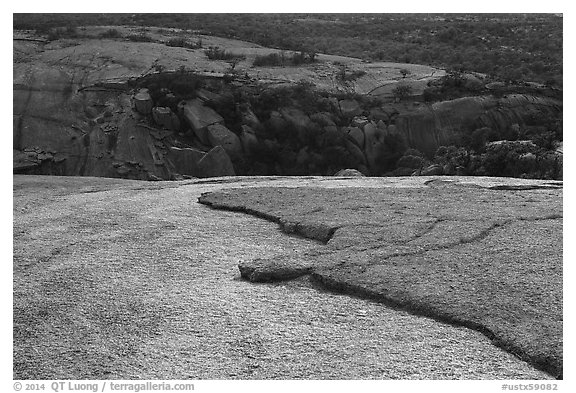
<point x="185" y="160"/>
<point x="454" y="250"/>
<point x="107" y="119"/>
<point x="350" y="108"/>
<point x="349" y="173"/>
<point x="199" y="117"/>
<point x="165" y="118"/>
<point x="216" y="163"/>
<point x="143" y="102"/>
<point x="441" y="123"/>
<point x="219" y="135"/>
<point x="276" y="269"/>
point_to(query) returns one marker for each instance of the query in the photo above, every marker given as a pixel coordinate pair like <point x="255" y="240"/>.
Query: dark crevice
<point x="319" y="232"/>
<point x="541" y="362"/>
<point x="544" y="363"/>
<point x="426" y="230"/>
<point x="526" y="187"/>
<point x="478" y="237"/>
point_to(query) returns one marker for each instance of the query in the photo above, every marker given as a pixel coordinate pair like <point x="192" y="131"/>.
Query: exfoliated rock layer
<point x="126" y="279"/>
<point x="467" y="251"/>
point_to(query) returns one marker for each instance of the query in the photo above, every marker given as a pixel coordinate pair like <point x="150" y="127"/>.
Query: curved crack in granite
<point x="362" y="272"/>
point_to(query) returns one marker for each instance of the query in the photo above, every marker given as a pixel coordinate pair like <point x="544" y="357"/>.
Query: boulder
<point x="379" y="115"/>
<point x="449" y="169"/>
<point x="527" y="162"/>
<point x="330" y="136"/>
<point x="277" y="269"/>
<point x="300" y="123"/>
<point x="495" y="85"/>
<point x="323" y="119"/>
<point x="215" y="163"/>
<point x="472" y="82"/>
<point x="168" y="100"/>
<point x="373" y="138"/>
<point x="207" y="96"/>
<point x="410" y="161"/>
<point x="22" y="161"/>
<point x="185" y="160"/>
<point x="165" y="118"/>
<point x="432" y="170"/>
<point x="250" y="119"/>
<point x="248" y="139"/>
<point x="277" y="122"/>
<point x="356" y="153"/>
<point x="199" y="117"/>
<point x="160" y="134"/>
<point x="350" y="108"/>
<point x="303" y="156"/>
<point x="143" y="102"/>
<point x="359" y="121"/>
<point x="391" y="129"/>
<point x="403" y="171"/>
<point x="357" y="135"/>
<point x="296" y="118"/>
<point x="219" y="135"/>
<point x="349" y="173"/>
<point x="461" y="171"/>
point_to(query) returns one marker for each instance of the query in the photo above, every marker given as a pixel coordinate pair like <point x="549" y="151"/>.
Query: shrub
<point x="281" y="59"/>
<point x="215" y="53"/>
<point x="186" y="85"/>
<point x="140" y="38"/>
<point x="110" y="33"/>
<point x="183" y="43"/>
<point x="410" y="161"/>
<point x="402" y="91"/>
<point x="344" y="76"/>
<point x="413" y="152"/>
<point x="62" y="32"/>
<point x="272" y="59"/>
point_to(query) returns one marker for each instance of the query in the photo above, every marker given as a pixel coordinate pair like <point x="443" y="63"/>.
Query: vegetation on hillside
<point x="459" y="42"/>
<point x="510" y="46"/>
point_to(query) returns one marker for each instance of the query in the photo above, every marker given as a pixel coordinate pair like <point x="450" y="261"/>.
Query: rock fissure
<point x="539" y="361"/>
<point x="446" y="250"/>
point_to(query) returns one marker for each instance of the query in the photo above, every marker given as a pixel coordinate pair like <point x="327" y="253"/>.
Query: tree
<point x="402" y="91"/>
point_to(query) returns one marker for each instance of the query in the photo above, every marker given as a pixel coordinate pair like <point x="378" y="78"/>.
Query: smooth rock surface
<point x="485" y="253"/>
<point x="199" y="117"/>
<point x="123" y="279"/>
<point x="215" y="163"/>
<point x="219" y="135"/>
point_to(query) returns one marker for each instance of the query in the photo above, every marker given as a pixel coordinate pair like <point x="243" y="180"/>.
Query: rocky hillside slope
<point x="120" y="107"/>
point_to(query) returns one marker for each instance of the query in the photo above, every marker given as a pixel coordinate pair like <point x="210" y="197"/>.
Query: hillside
<point x="521" y="47"/>
<point x="151" y="103"/>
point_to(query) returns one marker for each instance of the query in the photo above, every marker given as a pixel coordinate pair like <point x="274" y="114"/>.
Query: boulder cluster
<point x="173" y="126"/>
<point x="215" y="143"/>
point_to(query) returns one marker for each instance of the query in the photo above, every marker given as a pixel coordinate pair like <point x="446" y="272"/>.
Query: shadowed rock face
<point x="443" y="122"/>
<point x="77" y="111"/>
<point x="76" y="114"/>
